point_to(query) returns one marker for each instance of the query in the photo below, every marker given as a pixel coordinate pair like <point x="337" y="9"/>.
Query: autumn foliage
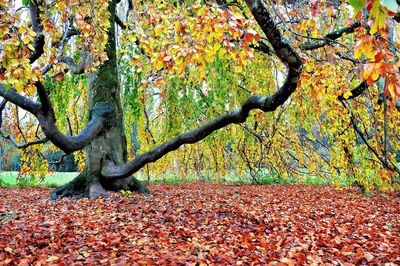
<point x="183" y="63"/>
<point x="202" y="224"/>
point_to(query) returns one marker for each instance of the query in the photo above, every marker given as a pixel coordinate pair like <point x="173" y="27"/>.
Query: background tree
<point x="177" y="65"/>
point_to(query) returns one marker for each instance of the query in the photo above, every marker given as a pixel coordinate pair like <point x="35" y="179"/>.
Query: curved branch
<point x="68" y="33"/>
<point x="286" y="54"/>
<point x="44" y="112"/>
<point x="19" y="100"/>
<point x="100" y="113"/>
<point x="330" y="37"/>
<point x="46" y="106"/>
<point x="75" y="68"/>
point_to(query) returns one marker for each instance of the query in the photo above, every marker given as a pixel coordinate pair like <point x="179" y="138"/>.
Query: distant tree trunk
<point x="104" y="92"/>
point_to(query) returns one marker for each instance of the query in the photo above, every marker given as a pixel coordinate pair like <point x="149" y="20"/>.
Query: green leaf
<point x="357" y="5"/>
<point x="391" y="5"/>
<point x="25" y="2"/>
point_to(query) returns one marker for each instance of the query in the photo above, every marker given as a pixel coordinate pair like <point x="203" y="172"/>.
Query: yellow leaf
<point x="18" y="86"/>
<point x="158" y="64"/>
<point x="378" y="14"/>
<point x="157" y="31"/>
<point x="26" y="39"/>
<point x="347" y="94"/>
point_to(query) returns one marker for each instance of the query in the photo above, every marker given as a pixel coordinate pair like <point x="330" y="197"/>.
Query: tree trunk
<point x="104" y="92"/>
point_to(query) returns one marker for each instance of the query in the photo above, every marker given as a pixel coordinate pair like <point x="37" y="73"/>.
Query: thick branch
<point x="2" y="106"/>
<point x="37" y="27"/>
<point x="19" y="100"/>
<point x="46" y="106"/>
<point x="100" y="113"/>
<point x="330" y="37"/>
<point x="286" y="54"/>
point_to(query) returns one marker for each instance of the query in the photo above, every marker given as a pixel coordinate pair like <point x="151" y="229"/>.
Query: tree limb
<point x="330" y="37"/>
<point x="385" y="163"/>
<point x="19" y="100"/>
<point x="76" y="69"/>
<point x="2" y="106"/>
<point x="286" y="54"/>
<point x="100" y="113"/>
<point x="357" y="91"/>
<point x="46" y="106"/>
<point x="23" y="145"/>
<point x="37" y="27"/>
<point x="68" y="33"/>
<point x="262" y="47"/>
<point x="119" y="22"/>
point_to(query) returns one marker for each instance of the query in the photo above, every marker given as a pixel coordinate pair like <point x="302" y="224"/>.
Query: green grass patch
<point x="10" y="179"/>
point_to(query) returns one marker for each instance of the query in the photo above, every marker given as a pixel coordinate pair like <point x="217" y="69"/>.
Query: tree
<point x="36" y="54"/>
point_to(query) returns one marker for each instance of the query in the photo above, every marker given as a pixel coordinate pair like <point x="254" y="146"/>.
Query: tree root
<point x="93" y="186"/>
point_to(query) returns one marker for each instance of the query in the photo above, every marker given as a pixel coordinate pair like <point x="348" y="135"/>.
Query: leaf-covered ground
<point x="202" y="223"/>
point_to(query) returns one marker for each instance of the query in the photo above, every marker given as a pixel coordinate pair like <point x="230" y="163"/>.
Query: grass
<point x="10" y="179"/>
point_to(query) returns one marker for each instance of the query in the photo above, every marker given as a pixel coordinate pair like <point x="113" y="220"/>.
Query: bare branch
<point x="286" y="54"/>
<point x="348" y="58"/>
<point x="23" y="145"/>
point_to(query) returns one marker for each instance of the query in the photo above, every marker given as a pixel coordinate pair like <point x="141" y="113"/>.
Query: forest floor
<point x="201" y="224"/>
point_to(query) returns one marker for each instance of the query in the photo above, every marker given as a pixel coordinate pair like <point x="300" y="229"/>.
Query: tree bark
<point x="110" y="144"/>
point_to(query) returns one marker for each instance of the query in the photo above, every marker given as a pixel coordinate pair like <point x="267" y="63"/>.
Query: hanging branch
<point x="285" y="53"/>
<point x="387" y="164"/>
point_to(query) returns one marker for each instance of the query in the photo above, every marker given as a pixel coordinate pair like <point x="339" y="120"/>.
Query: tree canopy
<point x="299" y="87"/>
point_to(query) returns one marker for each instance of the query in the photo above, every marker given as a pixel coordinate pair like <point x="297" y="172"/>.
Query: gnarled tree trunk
<point x="110" y="144"/>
